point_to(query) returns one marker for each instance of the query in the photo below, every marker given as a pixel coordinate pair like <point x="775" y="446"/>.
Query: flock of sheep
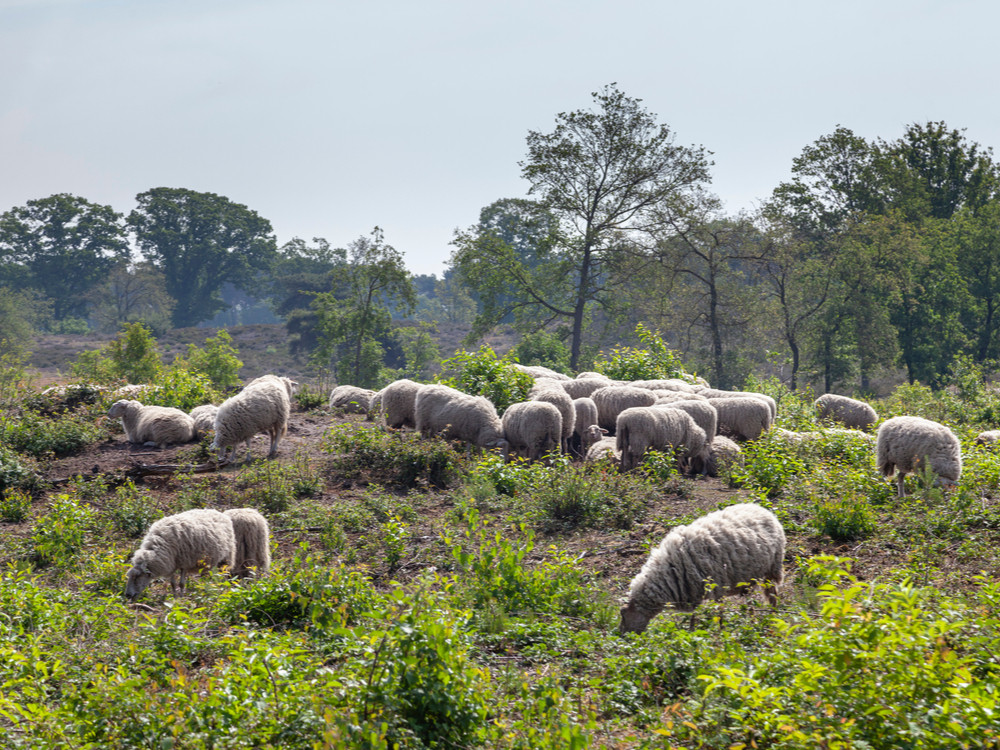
<point x="590" y="417"/>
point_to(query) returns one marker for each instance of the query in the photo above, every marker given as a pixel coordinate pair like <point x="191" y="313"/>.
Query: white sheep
<point x="398" y="403"/>
<point x="539" y="371"/>
<point x="988" y="438"/>
<point x="724" y="553"/>
<point x="721" y="454"/>
<point x="712" y="393"/>
<point x="450" y="413"/>
<point x="644" y="428"/>
<point x="264" y="405"/>
<point x="586" y="430"/>
<point x="532" y="428"/>
<point x="351" y="399"/>
<point x="252" y="536"/>
<point x="908" y="444"/>
<point x="157" y="425"/>
<point x="550" y="391"/>
<point x="591" y="375"/>
<point x="663" y="384"/>
<point x="185" y="542"/>
<point x="204" y="418"/>
<point x="613" y="400"/>
<point x="583" y="387"/>
<point x="848" y="411"/>
<point x="701" y="411"/>
<point x="744" y="417"/>
<point x="604" y="447"/>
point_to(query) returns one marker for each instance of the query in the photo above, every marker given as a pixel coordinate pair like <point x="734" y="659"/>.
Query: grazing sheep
<point x="532" y="428"/>
<point x="907" y="444"/>
<point x="664" y="384"/>
<point x="641" y="429"/>
<point x="743" y="417"/>
<point x="538" y="371"/>
<point x="613" y="400"/>
<point x="262" y="406"/>
<point x="715" y="393"/>
<point x="399" y="400"/>
<point x="583" y="387"/>
<point x="721" y="454"/>
<point x="204" y="418"/>
<point x="440" y="410"/>
<point x="731" y="549"/>
<point x="551" y="392"/>
<point x="604" y="447"/>
<point x="702" y="412"/>
<point x="990" y="438"/>
<point x="848" y="411"/>
<point x="586" y="431"/>
<point x="158" y="425"/>
<point x="253" y="542"/>
<point x="185" y="542"/>
<point x="351" y="399"/>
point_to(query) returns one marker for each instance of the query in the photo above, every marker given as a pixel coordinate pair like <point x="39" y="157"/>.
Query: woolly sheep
<point x="641" y="429"/>
<point x="263" y="405"/>
<point x="538" y="371"/>
<point x="730" y="549"/>
<point x="185" y="542"/>
<point x="204" y="418"/>
<point x="744" y="417"/>
<point x="586" y="431"/>
<point x="989" y="437"/>
<point x="604" y="447"/>
<point x="907" y="444"/>
<point x="591" y="375"/>
<point x="847" y="411"/>
<point x="351" y="399"/>
<point x="398" y="401"/>
<point x="583" y="388"/>
<point x="440" y="410"/>
<point x="613" y="400"/>
<point x="664" y="384"/>
<point x="721" y="454"/>
<point x="160" y="425"/>
<point x="715" y="393"/>
<point x="532" y="428"/>
<point x="550" y="391"/>
<point x="702" y="412"/>
<point x="252" y="537"/>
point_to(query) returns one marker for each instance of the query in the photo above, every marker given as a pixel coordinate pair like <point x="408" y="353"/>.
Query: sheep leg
<point x="900" y="485"/>
<point x="173" y="582"/>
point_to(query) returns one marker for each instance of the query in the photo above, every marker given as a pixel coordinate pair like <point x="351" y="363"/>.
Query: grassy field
<point x="422" y="596"/>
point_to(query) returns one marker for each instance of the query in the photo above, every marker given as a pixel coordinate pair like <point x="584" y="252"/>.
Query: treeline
<point x="875" y="257"/>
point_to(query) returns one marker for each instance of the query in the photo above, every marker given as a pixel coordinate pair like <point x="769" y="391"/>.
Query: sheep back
<point x="351" y="399"/>
<point x="204" y="418"/>
<point x="252" y="536"/>
<point x="532" y="428"/>
<point x="264" y="405"/>
<point x="613" y="400"/>
<point x="721" y="453"/>
<point x="162" y="425"/>
<point x="399" y="400"/>
<point x="731" y="548"/>
<point x="450" y="413"/>
<point x="744" y="417"/>
<point x="552" y="393"/>
<point x="906" y="444"/>
<point x="848" y="411"/>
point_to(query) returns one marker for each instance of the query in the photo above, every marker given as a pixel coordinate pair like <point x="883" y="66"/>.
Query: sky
<point x="331" y="118"/>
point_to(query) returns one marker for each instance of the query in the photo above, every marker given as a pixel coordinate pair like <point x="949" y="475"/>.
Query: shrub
<point x="654" y="362"/>
<point x="133" y="356"/>
<point x="40" y="437"/>
<point x="15" y="471"/>
<point x="845" y="518"/>
<point x="390" y="458"/>
<point x="307" y="399"/>
<point x="484" y="374"/>
<point x="131" y="511"/>
<point x="543" y="348"/>
<point x="14" y="506"/>
<point x="218" y="360"/>
<point x="59" y="535"/>
<point x="182" y="389"/>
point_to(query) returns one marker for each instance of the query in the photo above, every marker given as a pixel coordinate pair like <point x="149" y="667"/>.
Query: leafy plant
<point x="218" y="360"/>
<point x="182" y="389"/>
<point x="655" y="361"/>
<point x="133" y="356"/>
<point x="845" y="519"/>
<point x="14" y="506"/>
<point x="59" y="535"/>
<point x="40" y="437"/>
<point x="390" y="458"/>
<point x="482" y="373"/>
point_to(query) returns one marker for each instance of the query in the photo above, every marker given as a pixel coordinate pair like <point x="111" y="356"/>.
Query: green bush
<point x="846" y="518"/>
<point x="543" y="348"/>
<point x="218" y="360"/>
<point x="656" y="361"/>
<point x="482" y="373"/>
<point x="37" y="436"/>
<point x="131" y="511"/>
<point x="14" y="506"/>
<point x="389" y="457"/>
<point x="133" y="357"/>
<point x="60" y="534"/>
<point x="182" y="389"/>
<point x="307" y="399"/>
<point x="15" y="471"/>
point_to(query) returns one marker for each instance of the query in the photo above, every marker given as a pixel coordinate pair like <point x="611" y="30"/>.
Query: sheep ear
<point x="603" y="431"/>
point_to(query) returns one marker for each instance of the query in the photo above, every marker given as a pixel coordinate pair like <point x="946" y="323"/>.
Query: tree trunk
<point x="713" y="324"/>
<point x="580" y="307"/>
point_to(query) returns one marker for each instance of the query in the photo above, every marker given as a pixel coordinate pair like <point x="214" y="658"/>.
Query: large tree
<point x="63" y="246"/>
<point x="607" y="175"/>
<point x="201" y="241"/>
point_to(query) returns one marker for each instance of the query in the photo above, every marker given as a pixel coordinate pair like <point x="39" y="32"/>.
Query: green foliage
<point x="419" y="349"/>
<point x="133" y="356"/>
<point x="272" y="487"/>
<point x="482" y="373"/>
<point x="218" y="359"/>
<point x="60" y="534"/>
<point x="182" y="389"/>
<point x="14" y="505"/>
<point x="390" y="458"/>
<point x="655" y="361"/>
<point x="33" y="434"/>
<point x="585" y="495"/>
<point x="768" y="466"/>
<point x="130" y="510"/>
<point x="307" y="399"/>
<point x="845" y="519"/>
<point x="542" y="348"/>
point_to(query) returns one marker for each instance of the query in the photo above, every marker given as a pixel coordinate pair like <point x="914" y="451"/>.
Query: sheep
<point x="538" y="371"/>
<point x="664" y="384"/>
<point x="185" y="542"/>
<point x="252" y="537"/>
<point x="989" y="438"/>
<point x="591" y="375"/>
<point x="583" y="388"/>
<point x="641" y="429"/>
<point x="722" y="553"/>
<point x="744" y="417"/>
<point x="398" y="400"/>
<point x="720" y="455"/>
<point x="586" y="431"/>
<point x="204" y="418"/>
<point x="550" y="391"/>
<point x="848" y="411"/>
<point x="440" y="410"/>
<point x="351" y="399"/>
<point x="906" y="444"/>
<point x="375" y="407"/>
<point x="613" y="400"/>
<point x="533" y="428"/>
<point x="715" y="393"/>
<point x="158" y="425"/>
<point x="264" y="405"/>
<point x="701" y="411"/>
<point x="604" y="447"/>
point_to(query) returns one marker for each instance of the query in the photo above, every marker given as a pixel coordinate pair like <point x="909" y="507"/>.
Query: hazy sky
<point x="328" y="118"/>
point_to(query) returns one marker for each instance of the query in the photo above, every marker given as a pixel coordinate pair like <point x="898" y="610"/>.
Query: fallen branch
<point x="144" y="470"/>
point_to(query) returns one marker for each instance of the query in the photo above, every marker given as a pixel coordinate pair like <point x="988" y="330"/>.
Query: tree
<point x="136" y="293"/>
<point x="63" y="246"/>
<point x="353" y="316"/>
<point x="200" y="240"/>
<point x="606" y="176"/>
